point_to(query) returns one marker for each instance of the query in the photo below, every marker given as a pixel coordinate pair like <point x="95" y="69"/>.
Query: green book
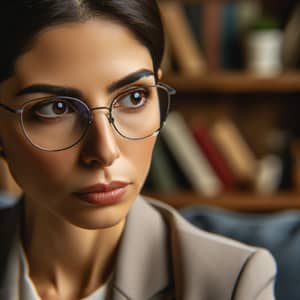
<point x="161" y="175"/>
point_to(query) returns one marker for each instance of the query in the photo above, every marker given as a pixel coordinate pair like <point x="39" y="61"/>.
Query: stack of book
<point x="208" y="161"/>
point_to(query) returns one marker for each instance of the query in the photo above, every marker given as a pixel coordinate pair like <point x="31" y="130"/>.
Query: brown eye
<point x="136" y="98"/>
<point x="133" y="100"/>
<point x="52" y="109"/>
<point x="59" y="108"/>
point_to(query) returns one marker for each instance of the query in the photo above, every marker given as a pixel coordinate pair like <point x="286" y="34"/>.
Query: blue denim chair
<point x="279" y="232"/>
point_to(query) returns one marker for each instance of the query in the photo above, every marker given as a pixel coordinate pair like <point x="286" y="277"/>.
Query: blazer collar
<point x="142" y="267"/>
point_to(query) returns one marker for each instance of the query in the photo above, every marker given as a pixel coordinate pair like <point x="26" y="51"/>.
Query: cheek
<point x="36" y="170"/>
<point x="139" y="154"/>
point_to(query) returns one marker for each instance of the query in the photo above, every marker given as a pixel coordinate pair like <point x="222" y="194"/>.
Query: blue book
<point x="231" y="48"/>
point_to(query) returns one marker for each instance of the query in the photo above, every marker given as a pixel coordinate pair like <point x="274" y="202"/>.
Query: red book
<point x="214" y="157"/>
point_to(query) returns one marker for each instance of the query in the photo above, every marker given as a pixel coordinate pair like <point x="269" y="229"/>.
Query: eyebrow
<point x="131" y="78"/>
<point x="76" y="93"/>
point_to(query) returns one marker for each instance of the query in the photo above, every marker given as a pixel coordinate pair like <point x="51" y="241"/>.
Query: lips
<point x="103" y="194"/>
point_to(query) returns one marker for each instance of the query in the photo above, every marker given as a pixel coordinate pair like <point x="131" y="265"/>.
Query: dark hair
<point x="21" y="20"/>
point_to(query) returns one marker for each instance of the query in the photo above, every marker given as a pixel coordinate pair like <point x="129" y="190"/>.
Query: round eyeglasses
<point x="58" y="123"/>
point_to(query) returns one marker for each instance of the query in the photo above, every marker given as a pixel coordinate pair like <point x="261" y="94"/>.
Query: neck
<point x="62" y="256"/>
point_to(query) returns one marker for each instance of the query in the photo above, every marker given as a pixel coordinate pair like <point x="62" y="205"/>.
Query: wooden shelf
<point x="236" y="202"/>
<point x="235" y="82"/>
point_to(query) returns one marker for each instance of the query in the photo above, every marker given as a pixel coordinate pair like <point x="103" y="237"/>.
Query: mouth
<point x="103" y="194"/>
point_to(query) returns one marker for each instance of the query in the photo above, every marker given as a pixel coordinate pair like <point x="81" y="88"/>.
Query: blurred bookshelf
<point x="208" y="63"/>
<point x="235" y="82"/>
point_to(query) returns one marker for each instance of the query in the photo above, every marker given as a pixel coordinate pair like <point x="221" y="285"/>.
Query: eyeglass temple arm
<point x="171" y="90"/>
<point x="15" y="111"/>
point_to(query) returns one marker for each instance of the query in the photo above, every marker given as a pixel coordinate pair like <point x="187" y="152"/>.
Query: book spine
<point x="192" y="161"/>
<point x="235" y="149"/>
<point x="161" y="172"/>
<point x="211" y="26"/>
<point x="214" y="156"/>
<point x="180" y="36"/>
<point x="231" y="54"/>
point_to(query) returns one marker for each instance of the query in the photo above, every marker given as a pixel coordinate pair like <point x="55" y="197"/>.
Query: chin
<point x="104" y="218"/>
<point x="99" y="225"/>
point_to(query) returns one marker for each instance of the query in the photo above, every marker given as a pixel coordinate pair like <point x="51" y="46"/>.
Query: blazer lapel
<point x="143" y="264"/>
<point x="8" y="233"/>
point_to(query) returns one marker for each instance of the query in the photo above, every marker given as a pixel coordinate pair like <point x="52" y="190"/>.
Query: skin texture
<point x="87" y="56"/>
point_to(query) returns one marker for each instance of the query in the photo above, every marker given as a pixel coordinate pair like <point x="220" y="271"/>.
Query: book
<point x="193" y="162"/>
<point x="270" y="171"/>
<point x="211" y="31"/>
<point x="235" y="149"/>
<point x="161" y="174"/>
<point x="193" y="12"/>
<point x="231" y="48"/>
<point x="214" y="156"/>
<point x="180" y="36"/>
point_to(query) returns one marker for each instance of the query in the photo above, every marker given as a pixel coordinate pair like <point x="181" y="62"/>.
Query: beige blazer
<point x="163" y="257"/>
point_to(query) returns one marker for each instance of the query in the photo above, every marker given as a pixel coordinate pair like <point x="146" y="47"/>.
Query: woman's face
<point x="89" y="57"/>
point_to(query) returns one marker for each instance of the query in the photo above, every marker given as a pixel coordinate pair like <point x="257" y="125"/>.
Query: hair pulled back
<point x="21" y="20"/>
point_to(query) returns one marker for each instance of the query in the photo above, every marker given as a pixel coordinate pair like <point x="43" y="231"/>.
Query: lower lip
<point x="103" y="198"/>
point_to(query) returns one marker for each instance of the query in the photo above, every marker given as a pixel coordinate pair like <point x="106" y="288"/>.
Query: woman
<point x="81" y="105"/>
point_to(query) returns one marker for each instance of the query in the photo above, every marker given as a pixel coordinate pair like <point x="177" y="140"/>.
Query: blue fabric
<point x="277" y="232"/>
<point x="7" y="200"/>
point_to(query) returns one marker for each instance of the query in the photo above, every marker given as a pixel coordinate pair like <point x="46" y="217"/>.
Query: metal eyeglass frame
<point x="19" y="111"/>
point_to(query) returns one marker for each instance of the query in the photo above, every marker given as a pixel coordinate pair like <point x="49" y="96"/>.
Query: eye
<point x="52" y="108"/>
<point x="134" y="99"/>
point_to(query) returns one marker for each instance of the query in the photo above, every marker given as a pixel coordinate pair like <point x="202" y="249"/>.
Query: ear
<point x="159" y="74"/>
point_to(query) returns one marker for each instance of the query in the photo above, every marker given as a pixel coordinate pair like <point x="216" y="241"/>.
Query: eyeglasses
<point x="58" y="123"/>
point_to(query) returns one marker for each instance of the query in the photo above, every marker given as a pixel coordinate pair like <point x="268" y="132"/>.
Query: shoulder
<point x="222" y="268"/>
<point x="191" y="234"/>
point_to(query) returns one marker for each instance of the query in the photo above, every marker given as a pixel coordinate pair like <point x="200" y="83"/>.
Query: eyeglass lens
<point x="57" y="123"/>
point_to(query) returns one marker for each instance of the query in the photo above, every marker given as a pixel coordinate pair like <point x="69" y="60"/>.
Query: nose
<point x="99" y="146"/>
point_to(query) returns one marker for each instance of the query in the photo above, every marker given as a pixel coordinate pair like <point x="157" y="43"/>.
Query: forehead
<point x="73" y="53"/>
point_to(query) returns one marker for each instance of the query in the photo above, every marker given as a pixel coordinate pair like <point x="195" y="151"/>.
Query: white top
<point x="26" y="287"/>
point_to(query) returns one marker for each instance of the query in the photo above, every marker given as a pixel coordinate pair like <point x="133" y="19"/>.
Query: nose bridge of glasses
<point x="105" y="109"/>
